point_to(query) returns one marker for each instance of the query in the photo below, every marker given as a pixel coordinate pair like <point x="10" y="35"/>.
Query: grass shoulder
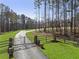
<point x="54" y="50"/>
<point x="4" y="41"/>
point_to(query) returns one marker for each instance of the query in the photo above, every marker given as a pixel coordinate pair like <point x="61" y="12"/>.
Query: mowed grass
<point x="3" y="47"/>
<point x="58" y="50"/>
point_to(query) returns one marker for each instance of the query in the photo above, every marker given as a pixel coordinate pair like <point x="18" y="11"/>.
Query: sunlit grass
<point x="4" y="37"/>
<point x="58" y="50"/>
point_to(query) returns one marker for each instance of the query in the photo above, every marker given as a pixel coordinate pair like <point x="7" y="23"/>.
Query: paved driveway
<point x="24" y="49"/>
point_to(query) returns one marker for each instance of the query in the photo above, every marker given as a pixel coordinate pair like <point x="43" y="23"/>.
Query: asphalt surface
<point x="24" y="49"/>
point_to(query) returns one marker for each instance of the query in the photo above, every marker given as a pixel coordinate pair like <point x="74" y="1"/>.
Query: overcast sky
<point x="21" y="6"/>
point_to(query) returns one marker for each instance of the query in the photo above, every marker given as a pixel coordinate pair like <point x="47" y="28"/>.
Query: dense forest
<point x="62" y="16"/>
<point x="11" y="21"/>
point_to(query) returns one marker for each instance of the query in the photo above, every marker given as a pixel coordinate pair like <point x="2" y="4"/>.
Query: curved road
<point x="24" y="49"/>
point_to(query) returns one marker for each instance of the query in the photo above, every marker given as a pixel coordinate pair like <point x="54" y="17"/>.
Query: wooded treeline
<point x="10" y="21"/>
<point x="62" y="16"/>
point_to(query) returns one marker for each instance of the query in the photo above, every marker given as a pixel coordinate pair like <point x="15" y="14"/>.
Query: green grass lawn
<point x="58" y="50"/>
<point x="4" y="37"/>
